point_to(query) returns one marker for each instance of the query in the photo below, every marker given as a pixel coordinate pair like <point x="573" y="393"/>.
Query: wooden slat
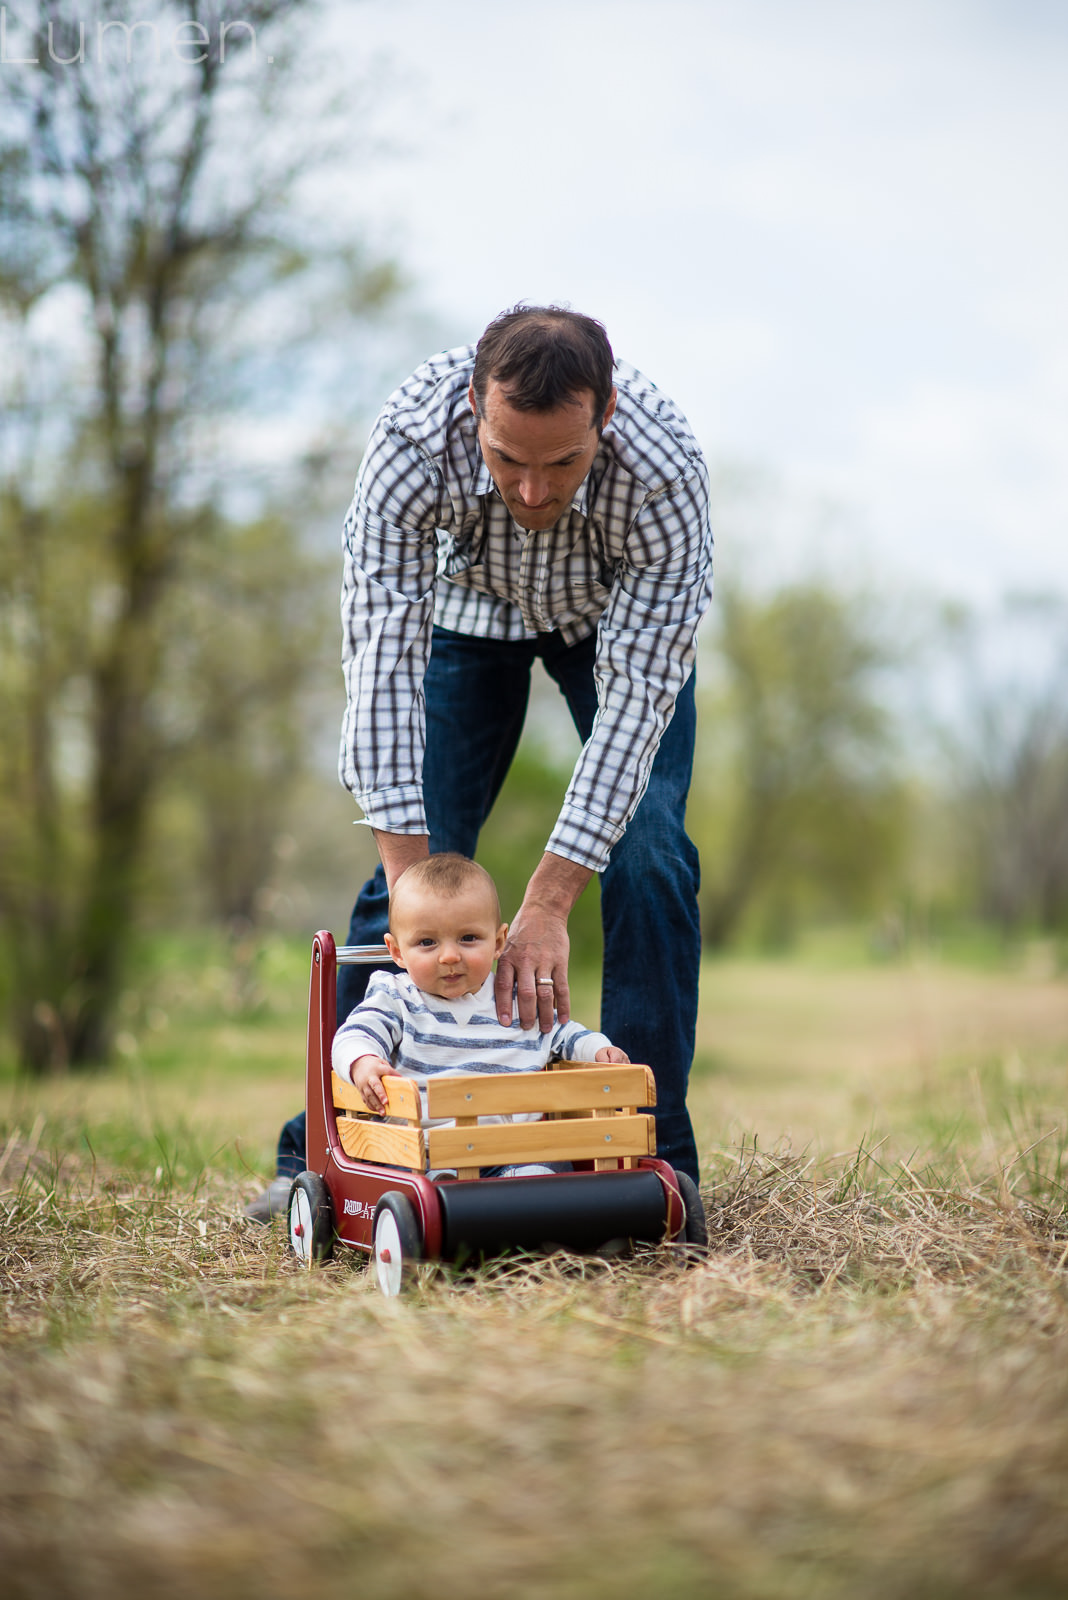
<point x="464" y="1123"/>
<point x="402" y="1096"/>
<point x="502" y="1094"/>
<point x="500" y="1144"/>
<point x="602" y="1164"/>
<point x="367" y="1140"/>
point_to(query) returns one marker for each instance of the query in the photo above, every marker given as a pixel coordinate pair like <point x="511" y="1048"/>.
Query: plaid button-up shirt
<point x="429" y="539"/>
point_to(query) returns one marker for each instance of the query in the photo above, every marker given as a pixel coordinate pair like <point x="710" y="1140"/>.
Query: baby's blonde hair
<point x="446" y="874"/>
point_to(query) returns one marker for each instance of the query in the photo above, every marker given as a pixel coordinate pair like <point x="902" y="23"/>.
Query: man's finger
<point x="527" y="995"/>
<point x="545" y="989"/>
<point x="503" y="985"/>
<point x="563" y="998"/>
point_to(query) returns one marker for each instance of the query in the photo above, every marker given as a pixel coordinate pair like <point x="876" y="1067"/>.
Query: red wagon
<point x="367" y="1184"/>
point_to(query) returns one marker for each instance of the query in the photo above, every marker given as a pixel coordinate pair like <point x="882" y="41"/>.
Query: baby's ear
<point x="394" y="950"/>
<point x="502" y="936"/>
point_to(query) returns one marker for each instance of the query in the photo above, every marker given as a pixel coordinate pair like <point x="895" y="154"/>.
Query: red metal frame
<point x="355" y="1187"/>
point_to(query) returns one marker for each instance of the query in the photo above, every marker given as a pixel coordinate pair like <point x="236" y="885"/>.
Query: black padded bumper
<point x="579" y="1210"/>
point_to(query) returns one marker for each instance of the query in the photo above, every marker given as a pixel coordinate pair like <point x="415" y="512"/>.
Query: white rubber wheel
<point x="397" y="1243"/>
<point x="310" y="1218"/>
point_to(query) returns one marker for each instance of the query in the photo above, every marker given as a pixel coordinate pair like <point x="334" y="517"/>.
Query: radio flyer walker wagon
<point x="366" y="1184"/>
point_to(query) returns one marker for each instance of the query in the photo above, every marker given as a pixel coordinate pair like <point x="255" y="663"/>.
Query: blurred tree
<point x="796" y="803"/>
<point x="246" y="636"/>
<point x="1008" y="748"/>
<point x="143" y="267"/>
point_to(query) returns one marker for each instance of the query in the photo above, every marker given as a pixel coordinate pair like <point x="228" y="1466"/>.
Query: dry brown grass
<point x="863" y="1391"/>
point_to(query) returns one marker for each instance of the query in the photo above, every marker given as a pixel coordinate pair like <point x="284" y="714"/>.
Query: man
<point x="516" y="503"/>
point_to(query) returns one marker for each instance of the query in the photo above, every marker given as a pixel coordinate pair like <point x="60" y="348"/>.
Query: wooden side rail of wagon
<point x="586" y="1114"/>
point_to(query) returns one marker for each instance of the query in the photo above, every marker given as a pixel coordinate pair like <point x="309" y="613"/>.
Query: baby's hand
<point x="367" y="1076"/>
<point x="618" y="1058"/>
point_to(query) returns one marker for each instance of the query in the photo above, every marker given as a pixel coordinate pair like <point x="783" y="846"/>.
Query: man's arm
<point x="646" y="645"/>
<point x="398" y="851"/>
<point x="538" y="945"/>
<point x="387" y="607"/>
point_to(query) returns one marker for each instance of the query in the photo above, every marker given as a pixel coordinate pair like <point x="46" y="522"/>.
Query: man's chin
<point x="535" y="521"/>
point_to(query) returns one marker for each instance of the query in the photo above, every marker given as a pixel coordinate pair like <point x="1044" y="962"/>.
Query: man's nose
<point x="533" y="489"/>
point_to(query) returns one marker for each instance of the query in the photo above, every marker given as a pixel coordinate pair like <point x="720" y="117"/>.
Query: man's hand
<point x="534" y="963"/>
<point x="398" y="851"/>
<point x="534" y="959"/>
<point x="367" y="1073"/>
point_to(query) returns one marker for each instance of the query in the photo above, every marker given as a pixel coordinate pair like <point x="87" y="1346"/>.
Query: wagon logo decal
<point x="358" y="1208"/>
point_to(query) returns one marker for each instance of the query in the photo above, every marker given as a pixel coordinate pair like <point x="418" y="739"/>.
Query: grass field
<point x="863" y="1391"/>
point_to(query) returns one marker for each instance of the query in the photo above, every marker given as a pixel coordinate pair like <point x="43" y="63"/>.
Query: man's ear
<point x="502" y="935"/>
<point x="394" y="950"/>
<point x="471" y="398"/>
<point x="609" y="409"/>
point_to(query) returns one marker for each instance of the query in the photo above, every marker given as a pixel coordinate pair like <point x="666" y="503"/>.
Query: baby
<point x="438" y="1015"/>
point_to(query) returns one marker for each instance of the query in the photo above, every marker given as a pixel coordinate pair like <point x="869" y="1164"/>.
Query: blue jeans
<point x="476" y="701"/>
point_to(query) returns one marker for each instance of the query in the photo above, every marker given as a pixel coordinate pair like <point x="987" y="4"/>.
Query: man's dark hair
<point x="542" y="356"/>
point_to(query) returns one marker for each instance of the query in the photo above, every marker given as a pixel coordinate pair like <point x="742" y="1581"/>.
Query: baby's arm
<point x="572" y="1041"/>
<point x="365" y="1041"/>
<point x="367" y="1072"/>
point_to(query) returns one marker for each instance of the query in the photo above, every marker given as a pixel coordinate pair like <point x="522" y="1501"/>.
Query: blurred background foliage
<point x="188" y="366"/>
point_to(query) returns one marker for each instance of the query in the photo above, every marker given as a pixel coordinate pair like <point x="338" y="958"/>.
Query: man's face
<point x="537" y="459"/>
<point x="446" y="943"/>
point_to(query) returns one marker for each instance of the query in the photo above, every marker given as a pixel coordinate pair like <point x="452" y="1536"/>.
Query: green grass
<point x="863" y="1391"/>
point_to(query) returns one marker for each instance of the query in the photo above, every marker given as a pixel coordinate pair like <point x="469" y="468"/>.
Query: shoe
<point x="271" y="1203"/>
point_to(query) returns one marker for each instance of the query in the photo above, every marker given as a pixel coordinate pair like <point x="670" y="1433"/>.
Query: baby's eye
<point x="425" y="944"/>
<point x="469" y="938"/>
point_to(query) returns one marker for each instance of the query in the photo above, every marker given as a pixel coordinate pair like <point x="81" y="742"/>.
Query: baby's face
<point x="446" y="944"/>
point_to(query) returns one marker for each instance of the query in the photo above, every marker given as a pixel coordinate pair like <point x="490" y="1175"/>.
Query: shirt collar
<point x="580" y="500"/>
<point x="482" y="482"/>
<point x="464" y="1005"/>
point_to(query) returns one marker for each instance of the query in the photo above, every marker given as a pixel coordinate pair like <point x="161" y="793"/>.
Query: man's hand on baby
<point x="367" y="1073"/>
<point x="618" y="1058"/>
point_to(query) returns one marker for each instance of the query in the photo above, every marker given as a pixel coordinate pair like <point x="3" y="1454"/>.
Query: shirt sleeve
<point x="646" y="642"/>
<point x="387" y="607"/>
<point x="372" y="1028"/>
<point x="572" y="1042"/>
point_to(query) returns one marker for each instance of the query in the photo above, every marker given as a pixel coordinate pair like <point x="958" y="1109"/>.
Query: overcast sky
<point x="836" y="232"/>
